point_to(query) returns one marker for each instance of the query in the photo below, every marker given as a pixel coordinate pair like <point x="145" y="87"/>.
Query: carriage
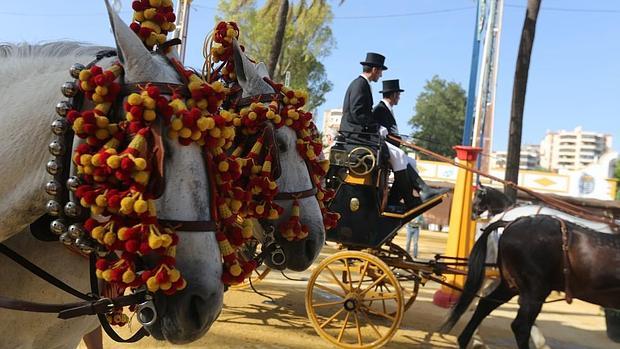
<point x="356" y="298"/>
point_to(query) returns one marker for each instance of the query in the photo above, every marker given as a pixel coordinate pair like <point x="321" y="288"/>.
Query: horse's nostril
<point x="197" y="307"/>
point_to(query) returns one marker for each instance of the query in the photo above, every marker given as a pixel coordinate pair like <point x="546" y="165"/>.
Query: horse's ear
<point x="240" y="64"/>
<point x="249" y="75"/>
<point x="130" y="48"/>
<point x="261" y="70"/>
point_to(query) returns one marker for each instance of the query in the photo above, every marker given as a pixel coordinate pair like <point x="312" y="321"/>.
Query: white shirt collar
<point x="365" y="78"/>
<point x="389" y="105"/>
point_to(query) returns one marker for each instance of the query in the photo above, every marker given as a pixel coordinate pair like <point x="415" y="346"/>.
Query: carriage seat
<point x="363" y="155"/>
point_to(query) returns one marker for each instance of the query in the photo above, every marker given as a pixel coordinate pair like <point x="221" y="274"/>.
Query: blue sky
<point x="574" y="73"/>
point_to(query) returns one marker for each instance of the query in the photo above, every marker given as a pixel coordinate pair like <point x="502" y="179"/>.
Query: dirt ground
<point x="249" y="320"/>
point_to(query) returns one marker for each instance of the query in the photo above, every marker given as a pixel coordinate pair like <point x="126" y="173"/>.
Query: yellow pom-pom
<point x="172" y="134"/>
<point x="152" y="284"/>
<point x="129" y="276"/>
<point x="85" y="74"/>
<point x="174" y="275"/>
<point x="114" y="161"/>
<point x="102" y="134"/>
<point x="102" y="121"/>
<point x="176" y="124"/>
<point x="235" y="269"/>
<point x="252" y="115"/>
<point x="185" y="132"/>
<point x="139" y="163"/>
<point x="202" y="104"/>
<point x="101" y="201"/>
<point x="205" y="123"/>
<point x="273" y="214"/>
<point x="165" y="286"/>
<point x="277" y="119"/>
<point x="260" y="209"/>
<point x="96" y="160"/>
<point x="140" y="206"/>
<point x="235" y="205"/>
<point x="134" y="99"/>
<point x="215" y="133"/>
<point x="85" y="159"/>
<point x="154" y="241"/>
<point x="196" y="135"/>
<point x="123" y="233"/>
<point x="97" y="233"/>
<point x="223" y="166"/>
<point x="138" y="16"/>
<point x="148" y="14"/>
<point x="288" y="122"/>
<point x="109" y="238"/>
<point x="155" y="3"/>
<point x="149" y="115"/>
<point x="148" y="102"/>
<point x="101" y="90"/>
<point x="166" y="240"/>
<point x="96" y="210"/>
<point x="107" y="275"/>
<point x="127" y="204"/>
<point x="142" y="177"/>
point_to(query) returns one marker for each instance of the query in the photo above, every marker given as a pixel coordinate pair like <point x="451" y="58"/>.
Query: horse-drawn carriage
<point x="356" y="298"/>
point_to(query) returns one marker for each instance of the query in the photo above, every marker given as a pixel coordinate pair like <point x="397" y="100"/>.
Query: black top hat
<point x="374" y="60"/>
<point x="391" y="86"/>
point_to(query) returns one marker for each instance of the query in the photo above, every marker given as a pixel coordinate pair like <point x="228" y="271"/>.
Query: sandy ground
<point x="249" y="320"/>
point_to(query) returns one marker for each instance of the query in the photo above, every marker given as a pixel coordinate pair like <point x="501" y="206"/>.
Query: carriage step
<point x="418" y="209"/>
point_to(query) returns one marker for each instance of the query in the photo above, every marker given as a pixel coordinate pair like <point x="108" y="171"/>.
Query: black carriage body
<point x="364" y="227"/>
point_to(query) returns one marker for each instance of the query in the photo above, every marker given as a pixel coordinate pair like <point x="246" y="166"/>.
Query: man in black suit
<point x="357" y="105"/>
<point x="406" y="177"/>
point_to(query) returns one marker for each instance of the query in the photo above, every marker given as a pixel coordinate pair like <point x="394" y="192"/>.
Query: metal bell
<point x="75" y="70"/>
<point x="56" y="147"/>
<point x="65" y="239"/>
<point x="62" y="108"/>
<point x="53" y="208"/>
<point x="53" y="167"/>
<point x="76" y="230"/>
<point x="85" y="245"/>
<point x="72" y="209"/>
<point x="59" y="127"/>
<point x="58" y="226"/>
<point x="52" y="187"/>
<point x="69" y="89"/>
<point x="72" y="183"/>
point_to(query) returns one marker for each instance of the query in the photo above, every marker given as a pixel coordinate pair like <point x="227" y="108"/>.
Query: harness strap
<point x="190" y="226"/>
<point x="36" y="270"/>
<point x="566" y="260"/>
<point x="296" y="195"/>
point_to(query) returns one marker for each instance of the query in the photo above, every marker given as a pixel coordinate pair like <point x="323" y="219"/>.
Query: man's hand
<point x="383" y="132"/>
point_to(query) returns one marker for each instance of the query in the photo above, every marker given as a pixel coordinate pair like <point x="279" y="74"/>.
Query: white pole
<point x="182" y="24"/>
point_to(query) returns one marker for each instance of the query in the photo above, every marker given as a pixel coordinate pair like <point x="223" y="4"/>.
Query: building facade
<point x="572" y="150"/>
<point x="331" y="125"/>
<point x="529" y="159"/>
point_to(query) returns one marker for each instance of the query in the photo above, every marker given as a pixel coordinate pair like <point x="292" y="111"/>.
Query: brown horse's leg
<point x="529" y="308"/>
<point x="486" y="305"/>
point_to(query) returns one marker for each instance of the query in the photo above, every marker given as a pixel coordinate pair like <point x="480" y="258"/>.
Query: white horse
<point x="32" y="74"/>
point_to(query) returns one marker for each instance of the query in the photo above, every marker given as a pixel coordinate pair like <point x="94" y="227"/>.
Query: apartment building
<point x="529" y="159"/>
<point x="572" y="150"/>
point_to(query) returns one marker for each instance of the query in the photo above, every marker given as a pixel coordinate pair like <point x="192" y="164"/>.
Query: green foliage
<point x="617" y="176"/>
<point x="307" y="40"/>
<point x="439" y="116"/>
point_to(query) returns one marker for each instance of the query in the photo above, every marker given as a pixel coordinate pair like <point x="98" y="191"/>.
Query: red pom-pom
<point x="153" y="91"/>
<point x="96" y="70"/>
<point x="102" y="264"/>
<point x="144" y="32"/>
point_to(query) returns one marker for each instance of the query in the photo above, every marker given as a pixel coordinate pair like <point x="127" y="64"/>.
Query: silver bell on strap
<point x="72" y="209"/>
<point x="53" y="187"/>
<point x="85" y="245"/>
<point x="53" y="208"/>
<point x="62" y="108"/>
<point x="69" y="89"/>
<point x="59" y="127"/>
<point x="75" y="70"/>
<point x="53" y="167"/>
<point x="57" y="148"/>
<point x="72" y="183"/>
<point x="76" y="230"/>
<point x="58" y="226"/>
<point x="66" y="239"/>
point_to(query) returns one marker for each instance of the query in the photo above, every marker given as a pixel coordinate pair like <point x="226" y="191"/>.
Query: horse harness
<point x="94" y="303"/>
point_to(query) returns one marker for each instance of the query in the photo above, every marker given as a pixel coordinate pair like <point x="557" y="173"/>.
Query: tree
<point x="617" y="176"/>
<point x="518" y="96"/>
<point x="439" y="116"/>
<point x="306" y="41"/>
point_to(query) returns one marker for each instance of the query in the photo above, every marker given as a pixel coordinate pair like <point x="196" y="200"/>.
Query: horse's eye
<point x="282" y="146"/>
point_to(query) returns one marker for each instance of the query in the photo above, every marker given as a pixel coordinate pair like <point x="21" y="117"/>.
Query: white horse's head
<point x="295" y="176"/>
<point x="188" y="314"/>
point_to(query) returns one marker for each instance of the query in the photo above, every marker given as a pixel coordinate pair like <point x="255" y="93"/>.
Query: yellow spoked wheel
<point x="354" y="300"/>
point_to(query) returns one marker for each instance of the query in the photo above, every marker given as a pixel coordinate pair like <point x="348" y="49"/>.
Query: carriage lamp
<point x="338" y="157"/>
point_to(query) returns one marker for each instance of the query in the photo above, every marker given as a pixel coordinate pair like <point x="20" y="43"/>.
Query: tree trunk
<point x="276" y="49"/>
<point x="518" y="95"/>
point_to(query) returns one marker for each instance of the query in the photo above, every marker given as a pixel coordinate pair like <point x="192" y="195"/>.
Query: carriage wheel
<point x="409" y="279"/>
<point x="249" y="250"/>
<point x="345" y="306"/>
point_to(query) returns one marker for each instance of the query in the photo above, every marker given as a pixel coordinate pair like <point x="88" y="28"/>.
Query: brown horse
<point x="532" y="264"/>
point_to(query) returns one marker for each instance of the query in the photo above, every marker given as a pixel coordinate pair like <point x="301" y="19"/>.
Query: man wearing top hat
<point x="406" y="177"/>
<point x="357" y="105"/>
